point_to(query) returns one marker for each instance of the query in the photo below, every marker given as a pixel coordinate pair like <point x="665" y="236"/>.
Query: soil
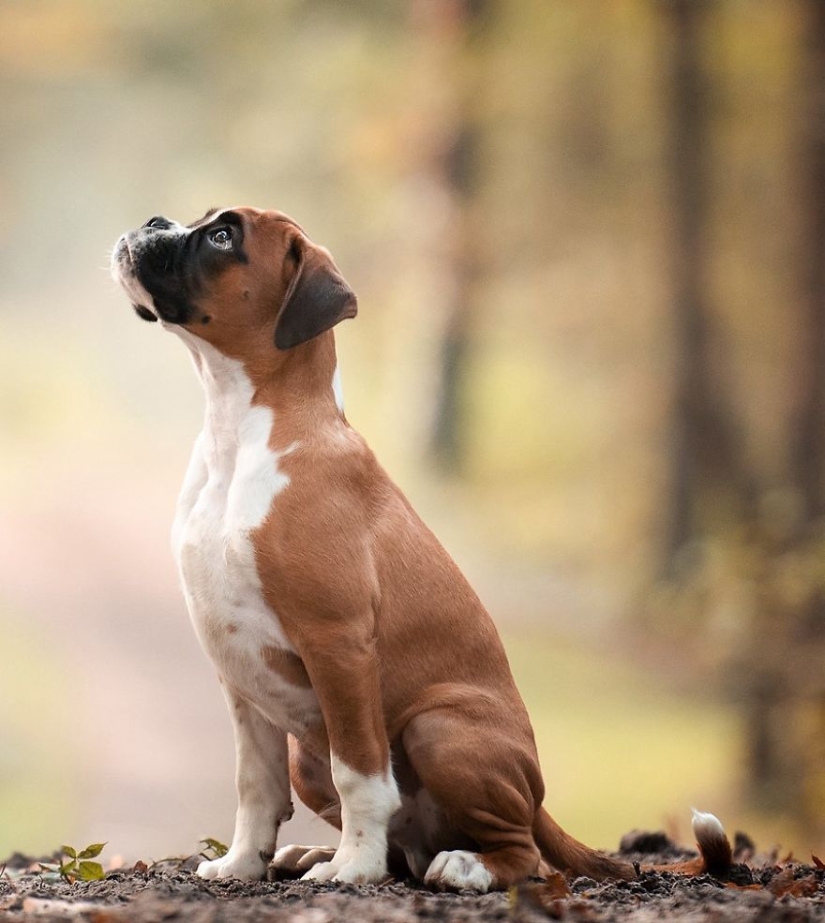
<point x="762" y="890"/>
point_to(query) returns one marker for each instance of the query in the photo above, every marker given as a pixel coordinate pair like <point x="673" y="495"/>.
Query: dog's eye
<point x="221" y="238"/>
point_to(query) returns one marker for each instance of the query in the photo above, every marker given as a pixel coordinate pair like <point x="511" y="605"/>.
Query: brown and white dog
<point x="355" y="658"/>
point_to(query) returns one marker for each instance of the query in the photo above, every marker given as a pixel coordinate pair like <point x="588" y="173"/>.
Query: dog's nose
<point x="159" y="223"/>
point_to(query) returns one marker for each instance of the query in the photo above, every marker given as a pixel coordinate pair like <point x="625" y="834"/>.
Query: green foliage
<point x="213" y="849"/>
<point x="78" y="864"/>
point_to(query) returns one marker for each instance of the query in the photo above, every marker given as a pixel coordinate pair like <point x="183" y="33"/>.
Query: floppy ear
<point x="317" y="298"/>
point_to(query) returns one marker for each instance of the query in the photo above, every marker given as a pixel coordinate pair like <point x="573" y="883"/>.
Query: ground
<point x="761" y="889"/>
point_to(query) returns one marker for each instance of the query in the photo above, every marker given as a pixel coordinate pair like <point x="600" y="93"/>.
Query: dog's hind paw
<point x="364" y="868"/>
<point x="458" y="870"/>
<point x="292" y="861"/>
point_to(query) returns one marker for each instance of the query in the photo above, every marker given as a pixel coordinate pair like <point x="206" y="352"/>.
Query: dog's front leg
<point x="262" y="780"/>
<point x="344" y="673"/>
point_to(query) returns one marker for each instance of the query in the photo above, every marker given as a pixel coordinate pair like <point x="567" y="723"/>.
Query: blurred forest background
<point x="587" y="239"/>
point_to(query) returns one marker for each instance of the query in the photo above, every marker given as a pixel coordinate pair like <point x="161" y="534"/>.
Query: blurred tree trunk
<point x="458" y="27"/>
<point x="707" y="470"/>
<point x="780" y="676"/>
<point x="807" y="436"/>
<point x="784" y="666"/>
<point x="706" y="450"/>
<point x="448" y="437"/>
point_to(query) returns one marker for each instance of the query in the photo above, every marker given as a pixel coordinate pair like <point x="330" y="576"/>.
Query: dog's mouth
<point x="149" y="265"/>
<point x="124" y="272"/>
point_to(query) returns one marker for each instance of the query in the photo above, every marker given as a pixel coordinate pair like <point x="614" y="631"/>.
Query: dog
<point x="355" y="659"/>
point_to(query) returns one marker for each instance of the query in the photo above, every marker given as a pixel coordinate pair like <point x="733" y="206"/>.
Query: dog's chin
<point x="122" y="269"/>
<point x="141" y="300"/>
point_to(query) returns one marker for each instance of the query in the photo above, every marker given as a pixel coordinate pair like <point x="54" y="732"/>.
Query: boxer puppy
<point x="354" y="657"/>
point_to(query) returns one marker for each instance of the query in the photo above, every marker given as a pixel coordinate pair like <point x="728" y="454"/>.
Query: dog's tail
<point x="571" y="857"/>
<point x="715" y="853"/>
<point x="566" y="854"/>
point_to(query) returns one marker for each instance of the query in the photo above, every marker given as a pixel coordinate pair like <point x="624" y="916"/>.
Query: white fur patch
<point x="235" y="864"/>
<point x="367" y="804"/>
<point x="230" y="486"/>
<point x="457" y="870"/>
<point x="706" y="825"/>
<point x="338" y="389"/>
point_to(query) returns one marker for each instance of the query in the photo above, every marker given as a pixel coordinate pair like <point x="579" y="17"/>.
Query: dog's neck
<point x="302" y="390"/>
<point x="305" y="376"/>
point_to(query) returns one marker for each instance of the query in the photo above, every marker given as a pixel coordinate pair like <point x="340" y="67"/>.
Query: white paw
<point x="246" y="866"/>
<point x="321" y="871"/>
<point x="363" y="868"/>
<point x="291" y="861"/>
<point x="458" y="870"/>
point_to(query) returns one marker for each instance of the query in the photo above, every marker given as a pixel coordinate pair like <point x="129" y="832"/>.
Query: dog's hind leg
<point x="487" y="783"/>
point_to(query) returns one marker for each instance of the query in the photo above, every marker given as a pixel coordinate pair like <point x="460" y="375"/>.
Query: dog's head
<point x="242" y="279"/>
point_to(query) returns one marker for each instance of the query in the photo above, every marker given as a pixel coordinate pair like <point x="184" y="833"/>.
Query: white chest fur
<point x="230" y="488"/>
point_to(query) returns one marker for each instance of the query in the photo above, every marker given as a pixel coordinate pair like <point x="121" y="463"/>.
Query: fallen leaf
<point x="555" y="886"/>
<point x="785" y="885"/>
<point x="549" y="896"/>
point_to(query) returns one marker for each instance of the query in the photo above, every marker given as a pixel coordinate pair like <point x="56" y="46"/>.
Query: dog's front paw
<point x="248" y="866"/>
<point x="457" y="870"/>
<point x="292" y="861"/>
<point x="361" y="869"/>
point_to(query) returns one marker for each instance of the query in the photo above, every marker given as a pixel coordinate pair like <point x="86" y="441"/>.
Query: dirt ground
<point x="763" y="889"/>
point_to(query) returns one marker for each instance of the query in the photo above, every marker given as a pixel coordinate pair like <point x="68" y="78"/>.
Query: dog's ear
<point x="317" y="298"/>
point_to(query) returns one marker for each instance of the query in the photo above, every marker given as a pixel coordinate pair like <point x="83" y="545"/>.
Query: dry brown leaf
<point x="549" y="896"/>
<point x="785" y="885"/>
<point x="805" y="887"/>
<point x="556" y="886"/>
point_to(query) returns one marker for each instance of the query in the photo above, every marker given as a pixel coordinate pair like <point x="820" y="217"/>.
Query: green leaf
<point x="69" y="851"/>
<point x="91" y="851"/>
<point x="67" y="868"/>
<point x="218" y="848"/>
<point x="90" y="871"/>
